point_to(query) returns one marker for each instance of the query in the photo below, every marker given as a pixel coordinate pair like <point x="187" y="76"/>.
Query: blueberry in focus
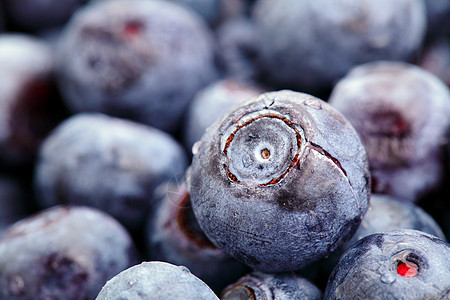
<point x="280" y="182"/>
<point x="62" y="253"/>
<point x="105" y="162"/>
<point x="174" y="236"/>
<point x="404" y="264"/>
<point x="311" y="44"/>
<point x="212" y="103"/>
<point x="261" y="286"/>
<point x="402" y="113"/>
<point x="142" y="60"/>
<point x="30" y="104"/>
<point x="156" y="280"/>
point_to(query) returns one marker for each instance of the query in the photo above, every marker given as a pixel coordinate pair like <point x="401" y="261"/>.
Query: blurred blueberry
<point x="142" y="60"/>
<point x="174" y="236"/>
<point x="261" y="286"/>
<point x="108" y="163"/>
<point x="36" y="15"/>
<point x="401" y="113"/>
<point x="404" y="264"/>
<point x="62" y="253"/>
<point x="280" y="182"/>
<point x="213" y="103"/>
<point x="308" y="45"/>
<point x="238" y="49"/>
<point x="156" y="280"/>
<point x="30" y="106"/>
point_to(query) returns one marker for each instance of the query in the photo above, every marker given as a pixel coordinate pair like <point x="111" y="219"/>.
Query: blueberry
<point x="37" y="15"/>
<point x="174" y="236"/>
<point x="310" y="44"/>
<point x="213" y="103"/>
<point x="108" y="163"/>
<point x="156" y="280"/>
<point x="62" y="253"/>
<point x="261" y="286"/>
<point x="401" y="113"/>
<point x="386" y="213"/>
<point x="237" y="40"/>
<point x="404" y="264"/>
<point x="281" y="182"/>
<point x="142" y="60"/>
<point x="29" y="102"/>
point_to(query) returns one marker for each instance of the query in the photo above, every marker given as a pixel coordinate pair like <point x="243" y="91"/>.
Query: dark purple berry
<point x="108" y="163"/>
<point x="401" y="113"/>
<point x="280" y="182"/>
<point x="142" y="60"/>
<point x="404" y="264"/>
<point x="261" y="286"/>
<point x="62" y="253"/>
<point x="311" y="44"/>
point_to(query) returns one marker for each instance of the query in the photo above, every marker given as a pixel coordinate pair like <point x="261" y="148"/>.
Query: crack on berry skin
<point x="328" y="156"/>
<point x="265" y="153"/>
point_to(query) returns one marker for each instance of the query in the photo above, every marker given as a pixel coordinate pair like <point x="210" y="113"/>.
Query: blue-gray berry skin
<point x="311" y="44"/>
<point x="174" y="236"/>
<point x="213" y="103"/>
<point x="105" y="162"/>
<point x="386" y="213"/>
<point x="63" y="253"/>
<point x="262" y="286"/>
<point x="142" y="60"/>
<point x="156" y="280"/>
<point x="401" y="112"/>
<point x="238" y="49"/>
<point x="30" y="107"/>
<point x="36" y="15"/>
<point x="282" y="181"/>
<point x="404" y="264"/>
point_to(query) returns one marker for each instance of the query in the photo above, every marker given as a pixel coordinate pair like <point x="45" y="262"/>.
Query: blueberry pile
<point x="224" y="149"/>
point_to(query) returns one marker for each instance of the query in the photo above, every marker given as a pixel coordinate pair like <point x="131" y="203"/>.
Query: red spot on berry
<point x="407" y="269"/>
<point x="132" y="29"/>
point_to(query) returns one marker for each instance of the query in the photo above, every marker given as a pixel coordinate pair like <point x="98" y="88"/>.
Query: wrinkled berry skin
<point x="310" y="44"/>
<point x="40" y="14"/>
<point x="174" y="236"/>
<point x="374" y="268"/>
<point x="142" y="60"/>
<point x="156" y="280"/>
<point x="261" y="286"/>
<point x="108" y="163"/>
<point x="281" y="182"/>
<point x="213" y="103"/>
<point x="401" y="113"/>
<point x="30" y="106"/>
<point x="62" y="253"/>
